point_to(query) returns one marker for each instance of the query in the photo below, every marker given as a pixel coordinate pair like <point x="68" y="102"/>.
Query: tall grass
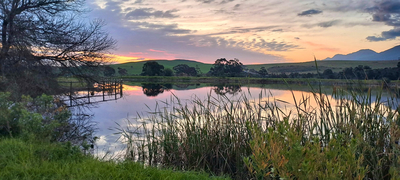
<point x="347" y="134"/>
<point x="28" y="160"/>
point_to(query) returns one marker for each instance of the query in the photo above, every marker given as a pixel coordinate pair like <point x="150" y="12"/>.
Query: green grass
<point x="29" y="160"/>
<point x="135" y="68"/>
<point x="309" y="67"/>
<point x="247" y="81"/>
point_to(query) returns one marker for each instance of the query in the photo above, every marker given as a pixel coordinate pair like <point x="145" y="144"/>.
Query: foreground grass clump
<point x="28" y="160"/>
<point x="349" y="134"/>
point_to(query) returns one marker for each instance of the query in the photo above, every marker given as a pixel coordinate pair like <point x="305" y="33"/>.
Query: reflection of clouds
<point x="101" y="141"/>
<point x="135" y="107"/>
<point x="132" y="90"/>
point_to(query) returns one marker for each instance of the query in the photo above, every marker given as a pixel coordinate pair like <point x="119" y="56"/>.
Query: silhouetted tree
<point x="152" y="68"/>
<point x="122" y="71"/>
<point x="263" y="72"/>
<point x="168" y="72"/>
<point x="109" y="71"/>
<point x="38" y="33"/>
<point x="184" y="69"/>
<point x="328" y="73"/>
<point x="223" y="67"/>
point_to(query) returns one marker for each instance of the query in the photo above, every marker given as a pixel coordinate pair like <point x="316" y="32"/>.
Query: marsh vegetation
<point x="346" y="134"/>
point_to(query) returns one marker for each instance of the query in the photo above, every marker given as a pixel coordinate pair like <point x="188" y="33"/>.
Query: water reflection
<point x="155" y="89"/>
<point x="142" y="99"/>
<point x="227" y="89"/>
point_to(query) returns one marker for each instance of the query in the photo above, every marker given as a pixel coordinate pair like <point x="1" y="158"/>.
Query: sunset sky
<point x="254" y="31"/>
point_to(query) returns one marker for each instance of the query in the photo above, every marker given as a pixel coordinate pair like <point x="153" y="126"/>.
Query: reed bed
<point x="346" y="134"/>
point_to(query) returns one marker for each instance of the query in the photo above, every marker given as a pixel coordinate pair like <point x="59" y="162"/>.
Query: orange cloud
<point x="124" y="59"/>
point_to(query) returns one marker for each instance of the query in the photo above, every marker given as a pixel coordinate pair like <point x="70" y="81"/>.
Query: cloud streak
<point x="144" y="13"/>
<point x="310" y="12"/>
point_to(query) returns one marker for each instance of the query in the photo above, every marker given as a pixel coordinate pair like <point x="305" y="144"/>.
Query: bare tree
<point x="49" y="33"/>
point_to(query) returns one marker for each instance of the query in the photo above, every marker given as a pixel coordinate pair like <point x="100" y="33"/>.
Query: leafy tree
<point x="35" y="33"/>
<point x="328" y="73"/>
<point x="168" y="72"/>
<point x="263" y="72"/>
<point x="398" y="65"/>
<point x="223" y="67"/>
<point x="108" y="71"/>
<point x="122" y="71"/>
<point x="152" y="68"/>
<point x="184" y="69"/>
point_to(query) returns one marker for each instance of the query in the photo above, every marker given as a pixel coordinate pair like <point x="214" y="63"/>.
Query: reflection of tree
<point x="227" y="89"/>
<point x="155" y="89"/>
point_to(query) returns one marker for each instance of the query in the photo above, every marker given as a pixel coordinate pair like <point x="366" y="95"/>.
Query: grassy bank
<point x="40" y="139"/>
<point x="349" y="134"/>
<point x="29" y="160"/>
<point x="135" y="68"/>
<point x="244" y="80"/>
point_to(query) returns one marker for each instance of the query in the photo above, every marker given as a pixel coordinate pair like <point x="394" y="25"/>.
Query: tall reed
<point x="348" y="130"/>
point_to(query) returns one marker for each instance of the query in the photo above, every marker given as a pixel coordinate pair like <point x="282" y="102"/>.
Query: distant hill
<point x="370" y="55"/>
<point x="135" y="68"/>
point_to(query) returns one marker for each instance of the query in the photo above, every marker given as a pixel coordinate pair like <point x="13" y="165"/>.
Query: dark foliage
<point x="223" y="67"/>
<point x="185" y="70"/>
<point x="122" y="71"/>
<point x="152" y="68"/>
<point x="108" y="71"/>
<point x="38" y="34"/>
<point x="152" y="90"/>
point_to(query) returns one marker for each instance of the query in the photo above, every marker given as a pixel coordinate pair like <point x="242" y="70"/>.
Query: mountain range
<point x="370" y="55"/>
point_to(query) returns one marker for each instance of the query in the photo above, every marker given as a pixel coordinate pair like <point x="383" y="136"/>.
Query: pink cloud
<point x="159" y="51"/>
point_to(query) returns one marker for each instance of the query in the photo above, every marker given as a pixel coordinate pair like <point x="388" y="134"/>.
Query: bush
<point x="42" y="118"/>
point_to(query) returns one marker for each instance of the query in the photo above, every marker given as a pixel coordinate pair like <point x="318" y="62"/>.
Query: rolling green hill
<point x="135" y="68"/>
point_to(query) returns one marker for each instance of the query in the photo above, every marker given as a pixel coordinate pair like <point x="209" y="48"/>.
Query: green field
<point x="135" y="68"/>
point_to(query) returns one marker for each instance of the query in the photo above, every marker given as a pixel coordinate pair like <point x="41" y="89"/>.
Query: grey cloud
<point x="205" y="1"/>
<point x="309" y="12"/>
<point x="168" y="29"/>
<point x="388" y="12"/>
<point x="236" y="30"/>
<point x="386" y="35"/>
<point x="256" y="43"/>
<point x="226" y="1"/>
<point x="143" y="13"/>
<point x="236" y="7"/>
<point x="325" y="24"/>
<point x="277" y="30"/>
<point x="138" y="2"/>
<point x="328" y="23"/>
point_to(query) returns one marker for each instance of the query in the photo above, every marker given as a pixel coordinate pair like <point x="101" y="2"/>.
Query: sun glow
<point x="118" y="59"/>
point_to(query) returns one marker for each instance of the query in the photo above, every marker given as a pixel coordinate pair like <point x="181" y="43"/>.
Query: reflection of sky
<point x="135" y="102"/>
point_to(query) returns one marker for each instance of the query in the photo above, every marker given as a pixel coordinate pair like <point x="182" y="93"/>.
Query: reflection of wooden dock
<point x="108" y="88"/>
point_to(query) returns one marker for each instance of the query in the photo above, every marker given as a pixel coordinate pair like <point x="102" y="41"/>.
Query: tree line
<point x="234" y="68"/>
